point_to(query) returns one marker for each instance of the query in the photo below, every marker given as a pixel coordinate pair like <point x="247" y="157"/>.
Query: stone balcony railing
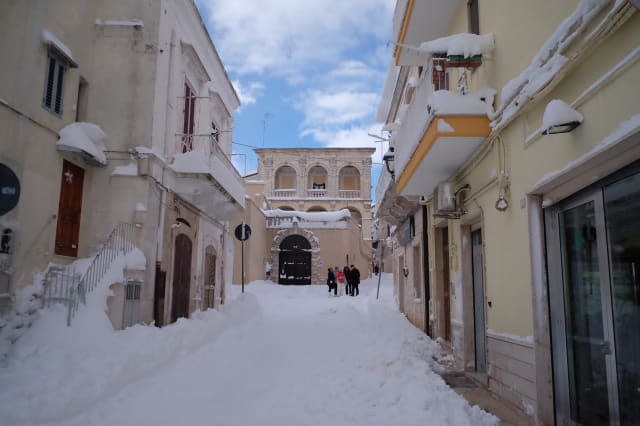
<point x="316" y="194"/>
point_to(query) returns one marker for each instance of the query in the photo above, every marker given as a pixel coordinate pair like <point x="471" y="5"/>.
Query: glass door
<point x="622" y="214"/>
<point x="593" y="245"/>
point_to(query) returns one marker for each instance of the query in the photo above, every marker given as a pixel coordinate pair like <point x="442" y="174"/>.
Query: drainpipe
<point x="425" y="269"/>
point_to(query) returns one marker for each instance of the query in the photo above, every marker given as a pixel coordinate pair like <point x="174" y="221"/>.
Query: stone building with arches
<point x="309" y="208"/>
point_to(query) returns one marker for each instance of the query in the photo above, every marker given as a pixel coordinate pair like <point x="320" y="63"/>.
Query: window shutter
<point x="48" y="90"/>
<point x="59" y="89"/>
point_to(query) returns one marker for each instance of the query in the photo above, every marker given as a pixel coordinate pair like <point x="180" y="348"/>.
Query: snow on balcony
<point x="464" y="44"/>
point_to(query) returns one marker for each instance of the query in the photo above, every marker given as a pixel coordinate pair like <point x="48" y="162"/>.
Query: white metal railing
<point x="349" y="193"/>
<point x="284" y="193"/>
<point x="63" y="285"/>
<point x="316" y="193"/>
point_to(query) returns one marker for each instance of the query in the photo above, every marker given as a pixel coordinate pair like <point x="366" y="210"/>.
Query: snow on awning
<point x="51" y="40"/>
<point x="464" y="44"/>
<point x="85" y="138"/>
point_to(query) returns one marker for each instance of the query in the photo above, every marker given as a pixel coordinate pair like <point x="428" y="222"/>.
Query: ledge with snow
<point x="455" y="125"/>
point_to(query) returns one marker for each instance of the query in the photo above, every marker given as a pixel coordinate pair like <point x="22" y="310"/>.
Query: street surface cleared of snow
<point x="275" y="355"/>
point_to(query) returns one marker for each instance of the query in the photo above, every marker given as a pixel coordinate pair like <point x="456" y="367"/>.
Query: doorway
<point x="593" y="243"/>
<point x="69" y="210"/>
<point x="477" y="267"/>
<point x="442" y="280"/>
<point x="295" y="261"/>
<point x="181" y="278"/>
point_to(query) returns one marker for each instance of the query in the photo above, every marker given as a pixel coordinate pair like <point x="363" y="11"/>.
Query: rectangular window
<point x="54" y="83"/>
<point x="188" y="118"/>
<point x="81" y="103"/>
<point x="474" y="19"/>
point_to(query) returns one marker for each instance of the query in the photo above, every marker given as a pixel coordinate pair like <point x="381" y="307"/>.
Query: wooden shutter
<point x="69" y="210"/>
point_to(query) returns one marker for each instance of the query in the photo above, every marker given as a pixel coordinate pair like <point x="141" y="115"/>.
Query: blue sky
<point x="308" y="73"/>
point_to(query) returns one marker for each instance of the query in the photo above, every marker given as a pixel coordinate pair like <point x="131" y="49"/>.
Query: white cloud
<point x="352" y="137"/>
<point x="339" y="108"/>
<point x="286" y="37"/>
<point x="249" y="93"/>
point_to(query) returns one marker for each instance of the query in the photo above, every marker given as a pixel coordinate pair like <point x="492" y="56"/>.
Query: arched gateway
<point x="295" y="261"/>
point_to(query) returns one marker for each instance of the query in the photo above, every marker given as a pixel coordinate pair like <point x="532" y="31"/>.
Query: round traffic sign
<point x="243" y="231"/>
<point x="9" y="189"/>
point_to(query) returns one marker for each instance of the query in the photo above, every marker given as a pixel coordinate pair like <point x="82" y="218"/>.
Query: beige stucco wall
<point x="134" y="77"/>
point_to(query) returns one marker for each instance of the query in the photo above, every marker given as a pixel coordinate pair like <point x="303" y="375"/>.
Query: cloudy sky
<point x="308" y="73"/>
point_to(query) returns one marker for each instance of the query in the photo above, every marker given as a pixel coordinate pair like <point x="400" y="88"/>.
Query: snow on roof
<point x="310" y="216"/>
<point x="558" y="112"/>
<point x="83" y="137"/>
<point x="460" y="44"/>
<point x="476" y="102"/>
<point x="547" y="62"/>
<point x="50" y="39"/>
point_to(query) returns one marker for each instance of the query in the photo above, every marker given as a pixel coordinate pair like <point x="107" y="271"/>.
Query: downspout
<point x="425" y="269"/>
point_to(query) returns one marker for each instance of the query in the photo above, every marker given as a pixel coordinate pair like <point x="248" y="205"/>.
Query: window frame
<point x="57" y="85"/>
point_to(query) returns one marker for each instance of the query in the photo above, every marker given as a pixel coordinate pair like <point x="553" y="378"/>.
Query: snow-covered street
<point x="277" y="355"/>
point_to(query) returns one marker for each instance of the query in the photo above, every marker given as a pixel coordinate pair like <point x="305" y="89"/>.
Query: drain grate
<point x="458" y="380"/>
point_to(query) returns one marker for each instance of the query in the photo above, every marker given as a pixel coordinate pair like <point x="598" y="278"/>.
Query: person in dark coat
<point x="331" y="282"/>
<point x="355" y="280"/>
<point x="347" y="277"/>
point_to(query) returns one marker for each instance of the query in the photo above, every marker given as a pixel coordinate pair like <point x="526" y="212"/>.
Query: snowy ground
<point x="274" y="356"/>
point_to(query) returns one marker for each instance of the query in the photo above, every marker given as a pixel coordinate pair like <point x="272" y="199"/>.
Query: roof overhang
<point x="417" y="21"/>
<point x="445" y="146"/>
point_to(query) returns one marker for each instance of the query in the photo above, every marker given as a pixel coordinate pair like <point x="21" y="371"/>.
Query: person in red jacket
<point x="341" y="279"/>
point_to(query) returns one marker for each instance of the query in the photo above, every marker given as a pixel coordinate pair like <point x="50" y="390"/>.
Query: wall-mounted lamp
<point x="560" y="118"/>
<point x="405" y="272"/>
<point x="389" y="157"/>
<point x="502" y="204"/>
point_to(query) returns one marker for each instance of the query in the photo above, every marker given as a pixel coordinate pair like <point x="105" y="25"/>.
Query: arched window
<point x="285" y="182"/>
<point x="349" y="182"/>
<point x="317" y="182"/>
<point x="316" y="209"/>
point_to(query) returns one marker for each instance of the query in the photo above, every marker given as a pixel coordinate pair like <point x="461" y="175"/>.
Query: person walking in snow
<point x="355" y="280"/>
<point x="331" y="282"/>
<point x="347" y="277"/>
<point x="340" y="278"/>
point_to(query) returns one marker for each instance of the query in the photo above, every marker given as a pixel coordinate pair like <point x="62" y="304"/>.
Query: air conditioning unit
<point x="445" y="201"/>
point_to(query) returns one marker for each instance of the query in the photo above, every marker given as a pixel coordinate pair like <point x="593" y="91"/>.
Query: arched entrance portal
<point x="181" y="278"/>
<point x="295" y="261"/>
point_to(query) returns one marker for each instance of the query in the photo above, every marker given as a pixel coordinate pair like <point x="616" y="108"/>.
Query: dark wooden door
<point x="181" y="278"/>
<point x="295" y="261"/>
<point x="69" y="210"/>
<point x="447" y="284"/>
<point x="158" y="296"/>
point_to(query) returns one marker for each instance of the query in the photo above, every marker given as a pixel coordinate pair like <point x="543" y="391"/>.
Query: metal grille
<point x="210" y="281"/>
<point x="130" y="313"/>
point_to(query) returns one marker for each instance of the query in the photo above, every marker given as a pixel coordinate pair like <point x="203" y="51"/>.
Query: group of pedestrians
<point x="346" y="280"/>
